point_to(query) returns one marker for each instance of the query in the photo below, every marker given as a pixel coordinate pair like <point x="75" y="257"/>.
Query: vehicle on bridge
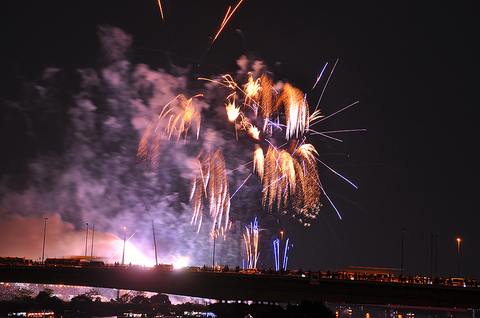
<point x="19" y="261"/>
<point x="75" y="261"/>
<point x="457" y="281"/>
<point x="251" y="271"/>
<point x="164" y="267"/>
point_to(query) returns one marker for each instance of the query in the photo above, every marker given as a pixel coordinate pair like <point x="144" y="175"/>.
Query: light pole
<point x="86" y="240"/>
<point x="401" y="266"/>
<point x="214" y="235"/>
<point x="93" y="235"/>
<point x="124" y="242"/>
<point x="154" y="244"/>
<point x="44" y="231"/>
<point x="436" y="247"/>
<point x="431" y="256"/>
<point x="458" y="256"/>
<point x="281" y="254"/>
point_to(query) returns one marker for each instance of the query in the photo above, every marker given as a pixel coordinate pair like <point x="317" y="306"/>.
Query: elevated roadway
<point x="254" y="287"/>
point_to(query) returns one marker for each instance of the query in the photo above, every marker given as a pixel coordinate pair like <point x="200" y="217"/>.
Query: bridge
<point x="248" y="287"/>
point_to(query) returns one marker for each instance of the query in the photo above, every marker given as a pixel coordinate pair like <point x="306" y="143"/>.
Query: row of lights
<point x="281" y="233"/>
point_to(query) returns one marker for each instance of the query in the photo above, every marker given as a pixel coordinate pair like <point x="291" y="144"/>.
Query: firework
<point x="258" y="162"/>
<point x="227" y="17"/>
<point x="211" y="182"/>
<point x="250" y="238"/>
<point x="270" y="114"/>
<point x="161" y="10"/>
<point x="252" y="92"/>
<point x="280" y="259"/>
<point x="288" y="172"/>
<point x="176" y="118"/>
<point x="296" y="111"/>
<point x="180" y="116"/>
<point x="232" y="111"/>
<point x="279" y="180"/>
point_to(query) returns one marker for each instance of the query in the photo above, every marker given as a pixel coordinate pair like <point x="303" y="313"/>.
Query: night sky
<point x="411" y="65"/>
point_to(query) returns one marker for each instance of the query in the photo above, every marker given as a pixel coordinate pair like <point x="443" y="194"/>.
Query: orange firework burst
<point x="269" y="113"/>
<point x="277" y="117"/>
<point x="232" y="111"/>
<point x="211" y="182"/>
<point x="176" y="118"/>
<point x="180" y="116"/>
<point x="289" y="176"/>
<point x="296" y="111"/>
<point x="290" y="181"/>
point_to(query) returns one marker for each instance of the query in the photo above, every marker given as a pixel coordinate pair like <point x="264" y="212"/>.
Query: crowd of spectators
<point x="356" y="275"/>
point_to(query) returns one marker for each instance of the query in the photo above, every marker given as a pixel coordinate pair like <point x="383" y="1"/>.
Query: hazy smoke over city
<point x="81" y="138"/>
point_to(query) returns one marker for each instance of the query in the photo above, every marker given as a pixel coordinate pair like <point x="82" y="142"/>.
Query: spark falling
<point x="93" y="178"/>
<point x="281" y="258"/>
<point x="268" y="113"/>
<point x="250" y="237"/>
<point x="227" y="17"/>
<point x="289" y="177"/>
<point x="211" y="182"/>
<point x="176" y="118"/>
<point x="161" y="10"/>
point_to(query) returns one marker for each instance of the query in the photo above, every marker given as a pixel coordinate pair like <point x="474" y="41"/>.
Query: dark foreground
<point x="254" y="287"/>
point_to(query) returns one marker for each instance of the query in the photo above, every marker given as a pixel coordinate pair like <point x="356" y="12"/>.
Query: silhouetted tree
<point x="92" y="293"/>
<point x="308" y="309"/>
<point x="160" y="299"/>
<point x="83" y="298"/>
<point x="140" y="299"/>
<point x="125" y="298"/>
<point x="24" y="294"/>
<point x="44" y="295"/>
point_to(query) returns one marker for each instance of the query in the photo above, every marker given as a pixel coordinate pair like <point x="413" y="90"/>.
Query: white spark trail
<point x="338" y="111"/>
<point x="320" y="185"/>
<point x="325" y="86"/>
<point x="241" y="185"/>
<point x="274" y="182"/>
<point x="337" y="131"/>
<point x="350" y="182"/>
<point x="319" y="76"/>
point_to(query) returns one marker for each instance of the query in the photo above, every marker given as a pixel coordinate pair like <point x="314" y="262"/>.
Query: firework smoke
<point x="93" y="177"/>
<point x="122" y="113"/>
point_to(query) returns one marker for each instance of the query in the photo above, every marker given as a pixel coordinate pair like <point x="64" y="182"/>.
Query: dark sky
<point x="412" y="65"/>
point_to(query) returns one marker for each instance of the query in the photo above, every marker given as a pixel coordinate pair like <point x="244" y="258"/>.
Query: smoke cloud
<point x="82" y="166"/>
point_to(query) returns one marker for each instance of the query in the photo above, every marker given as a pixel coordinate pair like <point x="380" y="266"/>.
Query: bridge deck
<point x="265" y="288"/>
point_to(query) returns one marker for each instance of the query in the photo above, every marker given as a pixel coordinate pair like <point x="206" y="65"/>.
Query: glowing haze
<point x="140" y="151"/>
<point x="93" y="176"/>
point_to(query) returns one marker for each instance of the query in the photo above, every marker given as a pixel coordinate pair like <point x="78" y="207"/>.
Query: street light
<point x="431" y="255"/>
<point x="44" y="231"/>
<point x="401" y="266"/>
<point x="458" y="256"/>
<point x="93" y="235"/>
<point x="214" y="236"/>
<point x="281" y="254"/>
<point x="124" y="242"/>
<point x="436" y="247"/>
<point x="86" y="239"/>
